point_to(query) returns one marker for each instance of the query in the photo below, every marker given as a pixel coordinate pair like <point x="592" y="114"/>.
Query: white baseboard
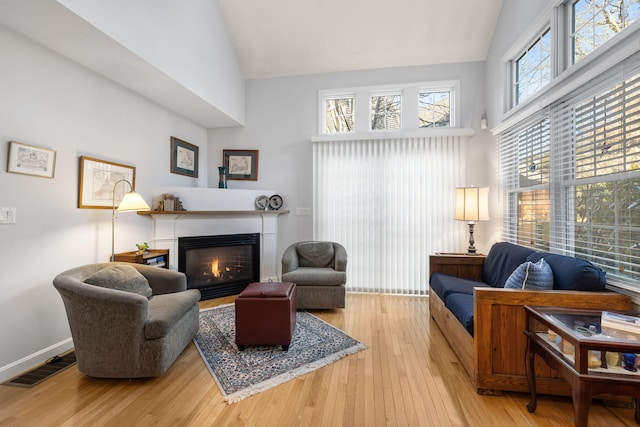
<point x="36" y="359"/>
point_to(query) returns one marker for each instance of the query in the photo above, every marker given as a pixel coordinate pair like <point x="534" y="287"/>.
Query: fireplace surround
<point x="220" y="265"/>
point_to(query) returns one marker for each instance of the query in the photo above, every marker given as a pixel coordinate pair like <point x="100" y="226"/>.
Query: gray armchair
<point x="319" y="271"/>
<point x="128" y="320"/>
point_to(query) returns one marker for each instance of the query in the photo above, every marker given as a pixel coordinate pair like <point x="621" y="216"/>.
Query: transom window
<point x="434" y="109"/>
<point x="339" y="114"/>
<point x="596" y="21"/>
<point x="386" y="111"/>
<point x="404" y="107"/>
<point x="533" y="68"/>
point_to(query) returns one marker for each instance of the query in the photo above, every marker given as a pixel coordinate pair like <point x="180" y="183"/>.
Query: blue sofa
<point x="483" y="321"/>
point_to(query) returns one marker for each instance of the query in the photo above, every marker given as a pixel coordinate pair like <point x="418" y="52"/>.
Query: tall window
<point x="434" y="109"/>
<point x="525" y="159"/>
<point x="386" y="112"/>
<point x="339" y="114"/>
<point x="533" y="68"/>
<point x="582" y="195"/>
<point x="596" y="21"/>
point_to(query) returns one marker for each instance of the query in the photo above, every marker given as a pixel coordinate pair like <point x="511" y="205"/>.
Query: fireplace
<point x="220" y="265"/>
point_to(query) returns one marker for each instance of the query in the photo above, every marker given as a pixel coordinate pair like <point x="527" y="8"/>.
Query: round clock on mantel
<point x="262" y="202"/>
<point x="275" y="202"/>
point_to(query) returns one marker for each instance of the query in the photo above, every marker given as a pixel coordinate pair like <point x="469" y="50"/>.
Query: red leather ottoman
<point x="266" y="314"/>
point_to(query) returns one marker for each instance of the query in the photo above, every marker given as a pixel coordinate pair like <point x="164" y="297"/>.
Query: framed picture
<point x="97" y="181"/>
<point x="241" y="164"/>
<point x="184" y="158"/>
<point x="31" y="160"/>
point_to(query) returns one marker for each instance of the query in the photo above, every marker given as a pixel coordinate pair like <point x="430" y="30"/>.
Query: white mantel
<point x="213" y="211"/>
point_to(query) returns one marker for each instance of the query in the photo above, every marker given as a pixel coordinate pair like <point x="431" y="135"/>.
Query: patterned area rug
<point x="241" y="374"/>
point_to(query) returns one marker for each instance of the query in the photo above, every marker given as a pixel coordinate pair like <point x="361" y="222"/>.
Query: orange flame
<point x="215" y="270"/>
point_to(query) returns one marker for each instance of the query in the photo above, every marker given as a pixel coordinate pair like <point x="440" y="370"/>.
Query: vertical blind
<point x="586" y="201"/>
<point x="390" y="203"/>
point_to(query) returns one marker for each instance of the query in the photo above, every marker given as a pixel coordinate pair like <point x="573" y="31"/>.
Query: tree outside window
<point x="386" y="112"/>
<point x="434" y="109"/>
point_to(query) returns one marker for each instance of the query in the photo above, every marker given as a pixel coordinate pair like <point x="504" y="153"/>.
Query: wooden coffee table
<point x="566" y="338"/>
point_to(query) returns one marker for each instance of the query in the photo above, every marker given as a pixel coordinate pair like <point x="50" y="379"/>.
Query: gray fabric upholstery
<point x="122" y="334"/>
<point x="319" y="271"/>
<point x="121" y="277"/>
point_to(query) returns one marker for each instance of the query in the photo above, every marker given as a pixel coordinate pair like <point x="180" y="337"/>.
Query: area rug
<point x="240" y="374"/>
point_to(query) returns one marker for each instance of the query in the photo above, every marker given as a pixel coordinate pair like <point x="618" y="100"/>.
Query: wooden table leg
<point x="581" y="403"/>
<point x="531" y="377"/>
<point x="636" y="402"/>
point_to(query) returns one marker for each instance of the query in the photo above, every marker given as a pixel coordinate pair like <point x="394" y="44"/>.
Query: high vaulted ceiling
<point x="292" y="37"/>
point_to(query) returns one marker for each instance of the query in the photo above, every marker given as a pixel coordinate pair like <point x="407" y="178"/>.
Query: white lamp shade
<point x="472" y="204"/>
<point x="133" y="202"/>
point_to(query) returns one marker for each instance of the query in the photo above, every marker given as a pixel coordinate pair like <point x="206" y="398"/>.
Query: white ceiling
<point x="292" y="37"/>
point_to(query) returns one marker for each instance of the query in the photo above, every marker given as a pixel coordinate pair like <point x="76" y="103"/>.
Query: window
<point x="533" y="68"/>
<point x="339" y="115"/>
<point x="434" y="109"/>
<point x="571" y="175"/>
<point x="403" y="107"/>
<point x="386" y="111"/>
<point x="596" y="21"/>
<point x="525" y="159"/>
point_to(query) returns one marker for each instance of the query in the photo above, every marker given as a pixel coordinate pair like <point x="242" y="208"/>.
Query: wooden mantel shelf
<point x="215" y="213"/>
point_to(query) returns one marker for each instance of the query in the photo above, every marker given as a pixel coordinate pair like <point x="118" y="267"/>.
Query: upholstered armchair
<point x="319" y="270"/>
<point x="128" y="320"/>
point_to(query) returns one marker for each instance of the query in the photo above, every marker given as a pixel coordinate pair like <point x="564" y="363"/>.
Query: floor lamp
<point x="131" y="202"/>
<point x="472" y="204"/>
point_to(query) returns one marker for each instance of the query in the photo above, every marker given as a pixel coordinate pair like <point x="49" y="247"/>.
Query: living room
<point x="62" y="96"/>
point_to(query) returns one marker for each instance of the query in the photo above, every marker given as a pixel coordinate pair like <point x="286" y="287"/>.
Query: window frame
<point x="514" y="68"/>
<point x="409" y="107"/>
<point x="400" y="94"/>
<point x="323" y="109"/>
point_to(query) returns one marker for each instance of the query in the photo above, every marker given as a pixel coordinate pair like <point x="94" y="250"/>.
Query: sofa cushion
<point x="461" y="306"/>
<point x="315" y="254"/>
<point x="502" y="260"/>
<point x="444" y="284"/>
<point x="571" y="273"/>
<point x="121" y="277"/>
<point x="529" y="275"/>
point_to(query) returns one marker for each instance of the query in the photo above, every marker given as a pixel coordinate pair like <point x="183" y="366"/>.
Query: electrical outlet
<point x="7" y="215"/>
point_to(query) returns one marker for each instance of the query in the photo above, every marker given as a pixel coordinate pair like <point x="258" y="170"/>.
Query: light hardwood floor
<point x="408" y="376"/>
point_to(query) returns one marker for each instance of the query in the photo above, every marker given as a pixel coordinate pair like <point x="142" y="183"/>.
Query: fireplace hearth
<point x="220" y="265"/>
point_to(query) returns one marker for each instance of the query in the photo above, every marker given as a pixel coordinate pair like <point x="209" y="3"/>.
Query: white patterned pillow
<point x="534" y="276"/>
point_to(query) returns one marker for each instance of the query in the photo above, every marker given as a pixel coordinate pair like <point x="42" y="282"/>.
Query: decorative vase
<point x="224" y="172"/>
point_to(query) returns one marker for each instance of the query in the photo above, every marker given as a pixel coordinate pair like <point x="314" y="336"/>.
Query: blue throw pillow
<point x="534" y="276"/>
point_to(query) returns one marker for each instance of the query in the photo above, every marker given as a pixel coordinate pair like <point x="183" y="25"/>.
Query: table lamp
<point x="131" y="202"/>
<point x="472" y="204"/>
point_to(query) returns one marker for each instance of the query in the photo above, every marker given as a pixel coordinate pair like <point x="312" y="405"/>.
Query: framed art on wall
<point x="241" y="164"/>
<point x="31" y="160"/>
<point x="97" y="181"/>
<point x="184" y="158"/>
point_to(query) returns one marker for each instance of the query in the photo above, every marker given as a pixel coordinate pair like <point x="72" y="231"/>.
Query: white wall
<point x="186" y="40"/>
<point x="282" y="117"/>
<point x="50" y="101"/>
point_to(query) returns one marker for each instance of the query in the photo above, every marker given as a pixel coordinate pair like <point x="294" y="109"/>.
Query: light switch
<point x="7" y="215"/>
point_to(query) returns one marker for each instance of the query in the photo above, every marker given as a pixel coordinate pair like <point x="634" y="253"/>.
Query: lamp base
<point x="471" y="250"/>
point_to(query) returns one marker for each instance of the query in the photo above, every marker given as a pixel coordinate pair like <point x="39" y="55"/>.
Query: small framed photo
<point x="241" y="164"/>
<point x="98" y="179"/>
<point x="31" y="160"/>
<point x="184" y="158"/>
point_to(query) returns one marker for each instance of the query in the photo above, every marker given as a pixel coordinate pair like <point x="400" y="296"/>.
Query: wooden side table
<point x="152" y="257"/>
<point x="569" y="355"/>
<point x="455" y="264"/>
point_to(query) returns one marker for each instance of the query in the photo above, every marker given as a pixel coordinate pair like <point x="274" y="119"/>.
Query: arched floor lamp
<point x="131" y="202"/>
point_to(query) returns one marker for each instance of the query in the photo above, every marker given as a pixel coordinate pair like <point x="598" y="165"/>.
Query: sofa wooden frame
<point x="494" y="357"/>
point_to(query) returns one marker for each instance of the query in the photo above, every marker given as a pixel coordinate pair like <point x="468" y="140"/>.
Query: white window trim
<point x="568" y="79"/>
<point x="409" y="118"/>
<point x="323" y="117"/>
